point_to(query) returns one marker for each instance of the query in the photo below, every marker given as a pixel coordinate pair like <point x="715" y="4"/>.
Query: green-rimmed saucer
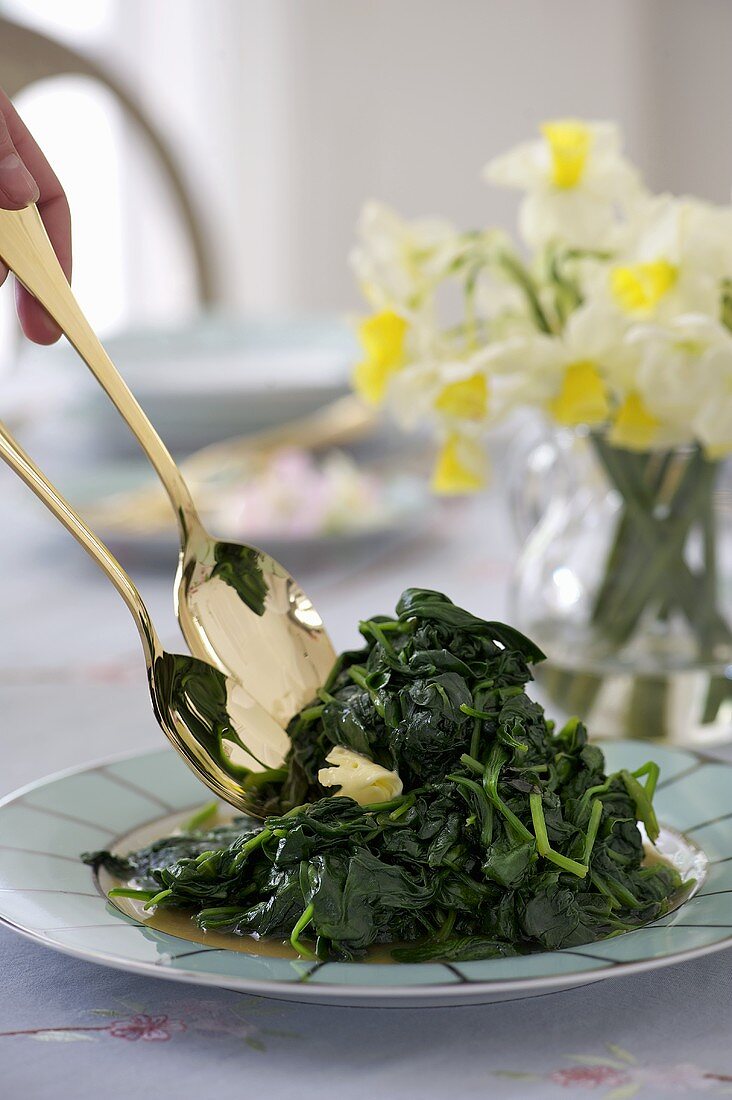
<point x="49" y="895"/>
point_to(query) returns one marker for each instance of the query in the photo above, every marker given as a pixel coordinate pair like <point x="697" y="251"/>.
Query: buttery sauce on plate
<point x="672" y="848"/>
<point x="179" y="922"/>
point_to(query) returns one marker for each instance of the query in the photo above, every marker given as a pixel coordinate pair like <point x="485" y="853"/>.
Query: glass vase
<point x="624" y="579"/>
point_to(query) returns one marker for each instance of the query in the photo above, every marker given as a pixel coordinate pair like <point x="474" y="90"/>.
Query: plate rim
<point x="462" y="991"/>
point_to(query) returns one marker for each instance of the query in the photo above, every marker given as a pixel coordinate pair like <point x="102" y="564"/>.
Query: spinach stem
<point x="129" y="892"/>
<point x="301" y="925"/>
<point x="311" y="713"/>
<point x="490" y="784"/>
<point x="543" y="846"/>
<point x="370" y="627"/>
<point x="157" y="898"/>
<point x="652" y="770"/>
<point x="391" y="804"/>
<point x="643" y="805"/>
<point x="470" y="762"/>
<point x="404" y="808"/>
<point x="591" y="835"/>
<point x="475" y="739"/>
<point x="447" y="925"/>
<point x="250" y="846"/>
<point x="483" y="714"/>
<point x="201" y="817"/>
<point x="358" y="675"/>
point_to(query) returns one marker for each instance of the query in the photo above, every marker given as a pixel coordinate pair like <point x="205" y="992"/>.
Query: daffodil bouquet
<point x="612" y="315"/>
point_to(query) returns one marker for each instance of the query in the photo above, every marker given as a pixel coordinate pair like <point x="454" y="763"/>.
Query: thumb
<point x="17" y="186"/>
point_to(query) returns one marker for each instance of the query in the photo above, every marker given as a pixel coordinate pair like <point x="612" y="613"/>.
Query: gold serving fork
<point x="228" y="739"/>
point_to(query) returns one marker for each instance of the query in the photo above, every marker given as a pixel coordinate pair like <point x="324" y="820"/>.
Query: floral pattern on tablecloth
<point x="134" y="1023"/>
<point x="621" y="1076"/>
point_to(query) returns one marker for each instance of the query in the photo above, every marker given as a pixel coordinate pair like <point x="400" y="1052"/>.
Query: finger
<point x="17" y="186"/>
<point x="54" y="210"/>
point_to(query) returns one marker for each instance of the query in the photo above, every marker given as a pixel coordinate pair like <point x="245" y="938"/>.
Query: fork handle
<point x="27" y="251"/>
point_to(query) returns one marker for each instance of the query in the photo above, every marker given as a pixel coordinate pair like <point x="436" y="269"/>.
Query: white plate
<point x="49" y="895"/>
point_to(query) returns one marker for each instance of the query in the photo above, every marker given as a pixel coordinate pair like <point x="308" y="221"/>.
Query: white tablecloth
<point x="72" y="690"/>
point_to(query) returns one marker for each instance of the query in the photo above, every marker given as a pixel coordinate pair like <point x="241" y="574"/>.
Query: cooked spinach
<point x="508" y="836"/>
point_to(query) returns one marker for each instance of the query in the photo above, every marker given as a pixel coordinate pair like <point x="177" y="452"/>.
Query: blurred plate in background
<point x="296" y="505"/>
<point x="202" y="382"/>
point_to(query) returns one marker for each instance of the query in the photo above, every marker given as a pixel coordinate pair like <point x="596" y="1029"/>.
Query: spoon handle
<point x="27" y="251"/>
<point x="12" y="453"/>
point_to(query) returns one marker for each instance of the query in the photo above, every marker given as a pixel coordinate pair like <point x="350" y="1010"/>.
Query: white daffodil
<point x="500" y="299"/>
<point x="452" y="395"/>
<point x="383" y="339"/>
<point x="684" y="380"/>
<point x="681" y="253"/>
<point x="574" y="376"/>
<point x="358" y="777"/>
<point x="398" y="262"/>
<point x="576" y="181"/>
<point x="461" y="465"/>
<point x="448" y="392"/>
<point x="620" y="322"/>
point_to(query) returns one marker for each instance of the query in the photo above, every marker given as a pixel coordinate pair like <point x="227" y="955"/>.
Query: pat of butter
<point x="358" y="777"/>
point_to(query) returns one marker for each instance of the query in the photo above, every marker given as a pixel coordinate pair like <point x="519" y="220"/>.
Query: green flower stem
<point x="709" y="534"/>
<point x="516" y="271"/>
<point x="660" y="543"/>
<point x="657" y="564"/>
<point x="626" y="545"/>
<point x="666" y="575"/>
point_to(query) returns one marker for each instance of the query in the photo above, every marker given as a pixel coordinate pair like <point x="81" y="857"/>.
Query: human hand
<point x="26" y="177"/>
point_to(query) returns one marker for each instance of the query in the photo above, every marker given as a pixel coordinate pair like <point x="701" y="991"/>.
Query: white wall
<point x="686" y="94"/>
<point x="287" y="114"/>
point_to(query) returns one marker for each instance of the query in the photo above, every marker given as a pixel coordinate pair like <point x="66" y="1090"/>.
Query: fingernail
<point x="16" y="181"/>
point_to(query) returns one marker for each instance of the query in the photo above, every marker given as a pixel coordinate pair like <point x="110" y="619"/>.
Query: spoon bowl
<point x="223" y="734"/>
<point x="242" y="611"/>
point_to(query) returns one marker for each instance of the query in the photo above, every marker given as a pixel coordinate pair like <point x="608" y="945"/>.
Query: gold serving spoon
<point x="231" y="742"/>
<point x="238" y="608"/>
